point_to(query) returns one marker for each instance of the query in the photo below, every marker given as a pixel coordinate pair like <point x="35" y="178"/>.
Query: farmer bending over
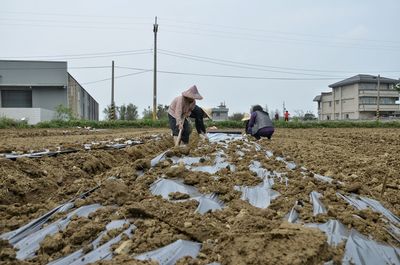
<point x="179" y="109"/>
<point x="260" y="125"/>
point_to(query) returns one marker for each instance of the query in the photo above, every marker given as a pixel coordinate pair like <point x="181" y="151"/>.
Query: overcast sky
<point x="238" y="52"/>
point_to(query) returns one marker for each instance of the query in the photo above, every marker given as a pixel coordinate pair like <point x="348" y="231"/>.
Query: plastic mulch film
<point x="323" y="178"/>
<point x="334" y="230"/>
<point x="16" y="235"/>
<point x="226" y="137"/>
<point x="362" y="203"/>
<point x="170" y="254"/>
<point x="208" y="203"/>
<point x="188" y="160"/>
<point x="158" y="159"/>
<point x="293" y="215"/>
<point x="262" y="173"/>
<point x="269" y="154"/>
<point x="219" y="164"/>
<point x="13" y="156"/>
<point x="363" y="251"/>
<point x="103" y="252"/>
<point x="164" y="187"/>
<point x="318" y="207"/>
<point x="289" y="164"/>
<point x="31" y="243"/>
<point x="116" y="224"/>
<point x="259" y="196"/>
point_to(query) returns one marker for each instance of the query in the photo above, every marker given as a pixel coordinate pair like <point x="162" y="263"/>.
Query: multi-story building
<point x="34" y="89"/>
<point x="220" y="113"/>
<point x="356" y="98"/>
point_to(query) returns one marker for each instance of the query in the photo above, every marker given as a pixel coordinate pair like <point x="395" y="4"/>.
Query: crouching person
<point x="260" y="124"/>
<point x="180" y="109"/>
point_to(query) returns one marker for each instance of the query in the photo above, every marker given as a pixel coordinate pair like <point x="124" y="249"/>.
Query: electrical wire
<point x="268" y="66"/>
<point x="116" y="77"/>
<point x="243" y="67"/>
<point x="77" y="57"/>
<point x="235" y="76"/>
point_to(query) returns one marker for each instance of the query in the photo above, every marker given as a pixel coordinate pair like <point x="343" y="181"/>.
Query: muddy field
<point x="125" y="182"/>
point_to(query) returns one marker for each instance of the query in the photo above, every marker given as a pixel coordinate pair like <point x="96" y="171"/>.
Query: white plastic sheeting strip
<point x="226" y="137"/>
<point x="363" y="251"/>
<point x="187" y="160"/>
<point x="208" y="203"/>
<point x="116" y="224"/>
<point x="261" y="172"/>
<point x="334" y="230"/>
<point x="289" y="164"/>
<point x="158" y="159"/>
<point x="318" y="207"/>
<point x="31" y="243"/>
<point x="220" y="163"/>
<point x="170" y="254"/>
<point x="104" y="252"/>
<point x="164" y="187"/>
<point x="362" y="203"/>
<point x="259" y="196"/>
<point x="293" y="215"/>
<point x="14" y="236"/>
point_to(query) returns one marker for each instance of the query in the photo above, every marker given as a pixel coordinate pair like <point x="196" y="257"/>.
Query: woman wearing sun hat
<point x="181" y="108"/>
<point x="199" y="114"/>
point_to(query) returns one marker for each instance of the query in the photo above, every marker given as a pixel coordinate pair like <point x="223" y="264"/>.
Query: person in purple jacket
<point x="260" y="124"/>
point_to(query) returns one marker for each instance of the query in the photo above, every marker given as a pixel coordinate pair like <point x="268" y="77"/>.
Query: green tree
<point x="162" y="112"/>
<point x="147" y="113"/>
<point x="107" y="112"/>
<point x="131" y="112"/>
<point x="122" y="112"/>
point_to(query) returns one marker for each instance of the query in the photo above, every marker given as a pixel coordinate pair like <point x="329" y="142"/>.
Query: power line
<point x="242" y="66"/>
<point x="235" y="76"/>
<point x="329" y="37"/>
<point x="289" y="41"/>
<point x="267" y="66"/>
<point x="77" y="57"/>
<point x="82" y="54"/>
<point x="116" y="77"/>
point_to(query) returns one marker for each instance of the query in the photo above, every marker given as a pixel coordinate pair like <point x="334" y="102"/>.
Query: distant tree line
<point x="130" y="112"/>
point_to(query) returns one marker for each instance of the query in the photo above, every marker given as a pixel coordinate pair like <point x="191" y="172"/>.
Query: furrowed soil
<point x="358" y="160"/>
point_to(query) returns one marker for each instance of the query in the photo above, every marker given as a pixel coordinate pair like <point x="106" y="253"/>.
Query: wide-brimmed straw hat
<point x="207" y="112"/>
<point x="246" y="117"/>
<point x="192" y="93"/>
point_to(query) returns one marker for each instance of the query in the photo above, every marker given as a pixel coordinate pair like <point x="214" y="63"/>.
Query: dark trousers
<point x="264" y="132"/>
<point x="175" y="129"/>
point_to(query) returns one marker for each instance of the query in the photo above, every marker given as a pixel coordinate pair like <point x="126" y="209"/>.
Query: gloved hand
<point x="180" y="125"/>
<point x="203" y="136"/>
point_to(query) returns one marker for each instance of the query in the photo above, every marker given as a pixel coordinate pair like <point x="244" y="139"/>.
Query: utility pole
<point x="378" y="98"/>
<point x="155" y="30"/>
<point x="112" y="108"/>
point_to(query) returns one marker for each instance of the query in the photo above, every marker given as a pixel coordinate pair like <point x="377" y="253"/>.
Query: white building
<point x="356" y="98"/>
<point x="34" y="89"/>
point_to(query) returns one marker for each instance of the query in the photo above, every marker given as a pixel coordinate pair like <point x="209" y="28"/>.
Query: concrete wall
<point x="28" y="73"/>
<point x="82" y="104"/>
<point x="32" y="115"/>
<point x="49" y="97"/>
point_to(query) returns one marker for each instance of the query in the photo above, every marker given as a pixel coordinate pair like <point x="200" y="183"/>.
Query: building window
<point x="337" y="102"/>
<point x="368" y="86"/>
<point x="16" y="98"/>
<point x="330" y="104"/>
<point x="346" y="116"/>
